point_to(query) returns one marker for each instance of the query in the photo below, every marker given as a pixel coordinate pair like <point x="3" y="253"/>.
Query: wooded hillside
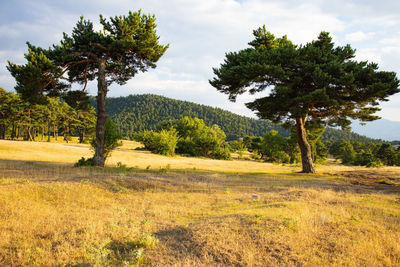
<point x="136" y="113"/>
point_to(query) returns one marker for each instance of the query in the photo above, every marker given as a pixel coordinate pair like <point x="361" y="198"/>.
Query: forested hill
<point x="136" y="113"/>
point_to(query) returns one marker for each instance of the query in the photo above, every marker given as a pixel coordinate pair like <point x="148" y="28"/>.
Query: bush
<point x="163" y="143"/>
<point x="197" y="139"/>
<point x="84" y="162"/>
<point x="222" y="153"/>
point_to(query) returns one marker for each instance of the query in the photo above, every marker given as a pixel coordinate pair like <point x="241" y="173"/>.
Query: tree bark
<point x="82" y="135"/>
<point x="13" y="131"/>
<point x="56" y="131"/>
<point x="48" y="131"/>
<point x="305" y="148"/>
<point x="98" y="159"/>
<point x="2" y="131"/>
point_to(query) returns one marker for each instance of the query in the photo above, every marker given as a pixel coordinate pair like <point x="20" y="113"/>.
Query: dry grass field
<point x="179" y="211"/>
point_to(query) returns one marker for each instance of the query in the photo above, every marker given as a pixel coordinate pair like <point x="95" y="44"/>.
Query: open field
<point x="191" y="212"/>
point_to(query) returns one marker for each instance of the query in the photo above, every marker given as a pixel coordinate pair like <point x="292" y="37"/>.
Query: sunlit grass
<point x="219" y="214"/>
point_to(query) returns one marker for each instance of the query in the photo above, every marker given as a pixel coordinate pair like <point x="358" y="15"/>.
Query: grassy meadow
<point x="152" y="210"/>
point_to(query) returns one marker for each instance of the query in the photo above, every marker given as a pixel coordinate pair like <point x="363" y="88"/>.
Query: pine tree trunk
<point x="66" y="131"/>
<point x="2" y="134"/>
<point x="305" y="148"/>
<point x="13" y="131"/>
<point x="29" y="133"/>
<point x="48" y="131"/>
<point x="98" y="159"/>
<point x="56" y="131"/>
<point x="82" y="135"/>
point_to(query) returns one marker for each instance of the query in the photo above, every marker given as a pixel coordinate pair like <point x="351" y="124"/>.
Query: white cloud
<point x="359" y="36"/>
<point x="391" y="40"/>
<point x="369" y="54"/>
<point x="201" y="32"/>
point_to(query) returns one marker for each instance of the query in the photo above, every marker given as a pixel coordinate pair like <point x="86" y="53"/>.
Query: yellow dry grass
<point x="225" y="215"/>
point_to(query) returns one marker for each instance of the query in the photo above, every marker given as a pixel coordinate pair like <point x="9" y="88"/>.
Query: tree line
<point x="367" y="154"/>
<point x="56" y="116"/>
<point x="138" y="113"/>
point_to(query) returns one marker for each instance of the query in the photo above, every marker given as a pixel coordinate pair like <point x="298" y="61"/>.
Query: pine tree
<point x="315" y="83"/>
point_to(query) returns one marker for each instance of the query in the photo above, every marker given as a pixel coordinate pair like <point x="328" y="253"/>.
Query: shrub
<point x="189" y="136"/>
<point x="163" y="143"/>
<point x="84" y="162"/>
<point x="222" y="153"/>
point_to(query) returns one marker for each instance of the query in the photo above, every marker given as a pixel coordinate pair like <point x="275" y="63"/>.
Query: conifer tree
<point x="125" y="46"/>
<point x="312" y="84"/>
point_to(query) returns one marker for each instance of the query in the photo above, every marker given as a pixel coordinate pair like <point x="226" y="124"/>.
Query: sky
<point x="201" y="32"/>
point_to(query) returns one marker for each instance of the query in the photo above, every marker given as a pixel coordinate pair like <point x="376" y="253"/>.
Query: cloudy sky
<point x="200" y="32"/>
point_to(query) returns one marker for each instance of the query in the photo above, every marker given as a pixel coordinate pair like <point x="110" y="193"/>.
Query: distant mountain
<point x="383" y="129"/>
<point x="136" y="113"/>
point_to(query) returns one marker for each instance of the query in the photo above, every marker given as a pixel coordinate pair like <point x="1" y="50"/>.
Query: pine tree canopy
<point x="126" y="45"/>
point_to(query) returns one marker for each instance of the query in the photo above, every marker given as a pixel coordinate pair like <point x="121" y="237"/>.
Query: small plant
<point x="22" y="181"/>
<point x="290" y="223"/>
<point x="84" y="162"/>
<point x="255" y="155"/>
<point x="120" y="165"/>
<point x="98" y="252"/>
<point x="118" y="188"/>
<point x="353" y="218"/>
<point x="137" y="254"/>
<point x="165" y="169"/>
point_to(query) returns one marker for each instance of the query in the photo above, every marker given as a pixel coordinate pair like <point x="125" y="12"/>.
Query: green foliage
<point x="370" y="154"/>
<point x="366" y="158"/>
<point x="54" y="116"/>
<point x="386" y="154"/>
<point x="39" y="76"/>
<point x="83" y="162"/>
<point x="320" y="151"/>
<point x="138" y="113"/>
<point x="273" y="146"/>
<point x="190" y="136"/>
<point x="123" y="47"/>
<point x="112" y="139"/>
<point x="314" y="84"/>
<point x="347" y="153"/>
<point x="222" y="152"/>
<point x="253" y="142"/>
<point x="197" y="139"/>
<point x="163" y="142"/>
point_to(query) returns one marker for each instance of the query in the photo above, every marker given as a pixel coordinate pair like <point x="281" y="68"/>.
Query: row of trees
<point x="187" y="136"/>
<point x="276" y="148"/>
<point x="368" y="154"/>
<point x="21" y="119"/>
<point x="138" y="113"/>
